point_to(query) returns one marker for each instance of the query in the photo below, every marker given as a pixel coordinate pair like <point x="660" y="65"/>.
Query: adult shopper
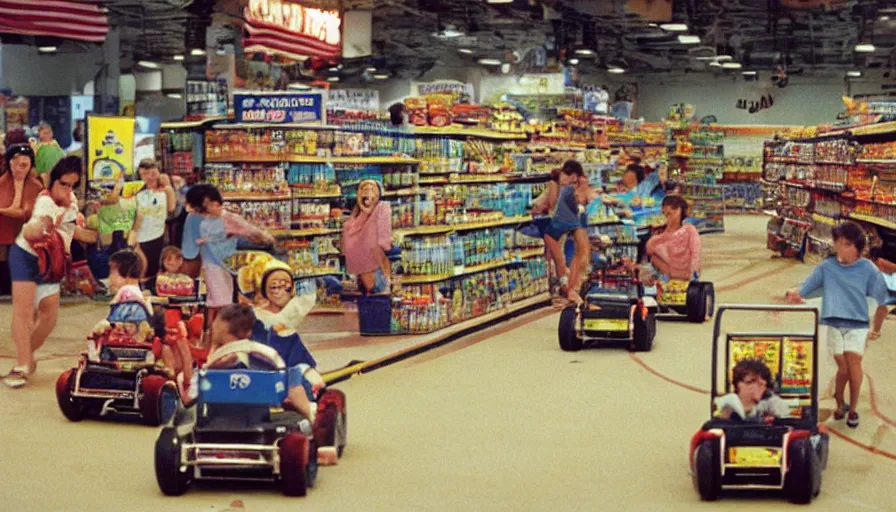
<point x="18" y="192"/>
<point x="155" y="201"/>
<point x="53" y="225"/>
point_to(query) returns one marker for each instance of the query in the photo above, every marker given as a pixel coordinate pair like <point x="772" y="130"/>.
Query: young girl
<point x="154" y="202"/>
<point x="675" y="251"/>
<point x="568" y="219"/>
<point x="366" y="237"/>
<point x="171" y="280"/>
<point x="213" y="233"/>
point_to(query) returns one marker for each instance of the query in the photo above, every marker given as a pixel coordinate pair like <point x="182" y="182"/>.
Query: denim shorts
<point x="558" y="228"/>
<point x="23" y="266"/>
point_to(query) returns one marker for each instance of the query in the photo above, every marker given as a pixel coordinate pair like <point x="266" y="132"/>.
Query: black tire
<point x="709" y="299"/>
<point x="822" y="451"/>
<point x="696" y="302"/>
<point x="642" y="338"/>
<point x="803" y="479"/>
<point x="566" y="331"/>
<point x="707" y="479"/>
<point x="72" y="408"/>
<point x="341" y="432"/>
<point x="294" y="450"/>
<point x="172" y="481"/>
<point x="311" y="469"/>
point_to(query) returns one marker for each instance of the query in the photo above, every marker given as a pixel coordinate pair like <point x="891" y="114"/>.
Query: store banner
<point x="464" y="92"/>
<point x="279" y="108"/>
<point x="110" y="147"/>
<point x="353" y="99"/>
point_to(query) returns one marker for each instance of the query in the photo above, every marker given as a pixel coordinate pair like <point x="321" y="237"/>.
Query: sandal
<point x="853" y="421"/>
<point x="841" y="413"/>
<point x="17" y="377"/>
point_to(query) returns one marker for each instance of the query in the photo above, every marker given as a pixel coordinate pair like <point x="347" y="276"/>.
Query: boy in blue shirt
<point x="846" y="281"/>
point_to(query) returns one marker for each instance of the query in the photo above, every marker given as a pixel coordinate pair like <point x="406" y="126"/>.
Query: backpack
<point x="54" y="261"/>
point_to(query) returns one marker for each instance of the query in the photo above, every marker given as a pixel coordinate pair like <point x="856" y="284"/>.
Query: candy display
<point x="266" y="214"/>
<point x="248" y="179"/>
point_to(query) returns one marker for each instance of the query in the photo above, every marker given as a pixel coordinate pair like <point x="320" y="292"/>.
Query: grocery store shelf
<point x="179" y="125"/>
<point x="304" y="232"/>
<point x="448" y="228"/>
<point x="373" y="160"/>
<point x="876" y="161"/>
<point x="252" y="197"/>
<point x="316" y="196"/>
<point x="465" y="271"/>
<point x="873" y="220"/>
<point x="404" y="192"/>
<point x="469" y="132"/>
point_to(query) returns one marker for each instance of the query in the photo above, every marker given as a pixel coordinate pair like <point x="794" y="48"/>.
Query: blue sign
<point x="278" y="108"/>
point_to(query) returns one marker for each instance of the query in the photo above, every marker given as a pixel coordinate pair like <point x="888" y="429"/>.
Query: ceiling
<point x="758" y="33"/>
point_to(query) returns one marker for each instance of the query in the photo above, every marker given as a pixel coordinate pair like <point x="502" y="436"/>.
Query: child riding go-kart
<point x="238" y="428"/>
<point x="614" y="308"/>
<point x="119" y="373"/>
<point x="758" y="438"/>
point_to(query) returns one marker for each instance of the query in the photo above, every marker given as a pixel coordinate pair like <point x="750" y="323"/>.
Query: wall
<point x="805" y="101"/>
<point x="28" y="73"/>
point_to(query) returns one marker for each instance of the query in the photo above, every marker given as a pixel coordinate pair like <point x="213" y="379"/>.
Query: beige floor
<point x="506" y="422"/>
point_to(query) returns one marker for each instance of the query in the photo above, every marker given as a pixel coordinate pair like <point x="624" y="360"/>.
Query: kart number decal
<point x="240" y="381"/>
<point x="606" y="324"/>
<point x="754" y="456"/>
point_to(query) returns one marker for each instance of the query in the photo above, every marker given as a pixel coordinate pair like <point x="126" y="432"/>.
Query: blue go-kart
<point x="238" y="429"/>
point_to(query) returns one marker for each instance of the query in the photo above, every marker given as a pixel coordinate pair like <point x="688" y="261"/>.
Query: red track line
<point x="867" y="448"/>
<point x="667" y="378"/>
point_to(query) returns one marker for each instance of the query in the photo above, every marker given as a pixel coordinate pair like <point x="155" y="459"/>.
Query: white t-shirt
<point x="65" y="219"/>
<point x="152" y="206"/>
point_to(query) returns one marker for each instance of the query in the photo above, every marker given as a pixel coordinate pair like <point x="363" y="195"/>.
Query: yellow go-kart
<point x="694" y="299"/>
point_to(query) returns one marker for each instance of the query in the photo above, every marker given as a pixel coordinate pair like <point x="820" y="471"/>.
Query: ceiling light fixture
<point x="197" y="52"/>
<point x="854" y="74"/>
<point x="615" y="70"/>
<point x="334" y="69"/>
<point x="178" y="58"/>
<point x="299" y="86"/>
<point x="688" y="39"/>
<point x="500" y="1"/>
<point x="715" y="64"/>
<point x="381" y="76"/>
<point x="490" y="62"/>
<point x="333" y="79"/>
<point x="573" y="62"/>
<point x="674" y="27"/>
<point x="749" y="73"/>
<point x="724" y="58"/>
<point x="148" y="64"/>
<point x="47" y="49"/>
<point x="884" y="18"/>
<point x="175" y="95"/>
<point x="865" y="48"/>
<point x="370" y="70"/>
<point x="584" y="51"/>
<point x="652" y="25"/>
<point x="732" y="65"/>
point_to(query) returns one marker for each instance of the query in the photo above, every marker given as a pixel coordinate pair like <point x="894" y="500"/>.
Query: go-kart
<point x="238" y="428"/>
<point x="615" y="309"/>
<point x="118" y="374"/>
<point x="694" y="299"/>
<point x="780" y="454"/>
<point x="185" y="313"/>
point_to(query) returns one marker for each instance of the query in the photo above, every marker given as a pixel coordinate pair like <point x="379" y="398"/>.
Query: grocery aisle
<point x="501" y="420"/>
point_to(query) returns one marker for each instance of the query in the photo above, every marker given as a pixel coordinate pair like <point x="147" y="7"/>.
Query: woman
<point x="18" y="191"/>
<point x="55" y="209"/>
<point x="155" y="201"/>
<point x="675" y="251"/>
<point x="366" y="237"/>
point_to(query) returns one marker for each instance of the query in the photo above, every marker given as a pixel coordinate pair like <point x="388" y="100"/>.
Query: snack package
<point x="417" y="111"/>
<point x="175" y="285"/>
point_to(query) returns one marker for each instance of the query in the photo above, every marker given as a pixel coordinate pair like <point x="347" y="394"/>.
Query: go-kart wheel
<point x="332" y="420"/>
<point x="821" y="451"/>
<point x="172" y="481"/>
<point x="71" y="407"/>
<point x="706" y="475"/>
<point x="159" y="401"/>
<point x="311" y="470"/>
<point x="644" y="331"/>
<point x="803" y="479"/>
<point x="294" y="450"/>
<point x="566" y="331"/>
<point x="697" y="301"/>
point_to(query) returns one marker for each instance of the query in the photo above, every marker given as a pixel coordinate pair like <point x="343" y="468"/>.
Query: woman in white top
<point x="55" y="209"/>
<point x="155" y="201"/>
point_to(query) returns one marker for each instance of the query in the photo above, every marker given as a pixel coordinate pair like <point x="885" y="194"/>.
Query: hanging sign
<point x="110" y="143"/>
<point x="765" y="102"/>
<point x="292" y="30"/>
<point x="279" y="108"/>
<point x="464" y="92"/>
<point x="353" y="99"/>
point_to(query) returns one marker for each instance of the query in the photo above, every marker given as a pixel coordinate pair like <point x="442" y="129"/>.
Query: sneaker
<point x="853" y="421"/>
<point x="841" y="413"/>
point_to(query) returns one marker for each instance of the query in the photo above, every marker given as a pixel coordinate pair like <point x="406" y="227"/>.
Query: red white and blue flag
<point x="82" y="21"/>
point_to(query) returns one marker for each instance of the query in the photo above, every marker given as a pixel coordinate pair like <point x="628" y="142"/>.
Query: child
<point x="366" y="237"/>
<point x="567" y="218"/>
<point x="234" y="323"/>
<point x="751" y="399"/>
<point x="171" y="261"/>
<point x="214" y="235"/>
<point x="674" y="252"/>
<point x="846" y="281"/>
<point x="125" y="270"/>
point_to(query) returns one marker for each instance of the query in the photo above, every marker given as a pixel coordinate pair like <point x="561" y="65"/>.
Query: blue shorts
<point x="23" y="266"/>
<point x="559" y="228"/>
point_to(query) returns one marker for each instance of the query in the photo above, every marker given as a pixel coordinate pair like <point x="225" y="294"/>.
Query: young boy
<point x="125" y="271"/>
<point x="749" y="401"/>
<point x="234" y="323"/>
<point x="846" y="281"/>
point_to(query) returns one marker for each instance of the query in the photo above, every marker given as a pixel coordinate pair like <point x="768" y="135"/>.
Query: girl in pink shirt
<point x="366" y="237"/>
<point x="675" y="251"/>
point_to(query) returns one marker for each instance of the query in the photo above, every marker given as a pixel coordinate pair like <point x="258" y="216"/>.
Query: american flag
<point x="270" y="38"/>
<point x="83" y="21"/>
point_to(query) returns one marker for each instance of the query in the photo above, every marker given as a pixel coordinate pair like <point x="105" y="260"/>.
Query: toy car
<point x="614" y="309"/>
<point x="694" y="299"/>
<point x="784" y="454"/>
<point x="181" y="301"/>
<point x="119" y="374"/>
<point x="237" y="428"/>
